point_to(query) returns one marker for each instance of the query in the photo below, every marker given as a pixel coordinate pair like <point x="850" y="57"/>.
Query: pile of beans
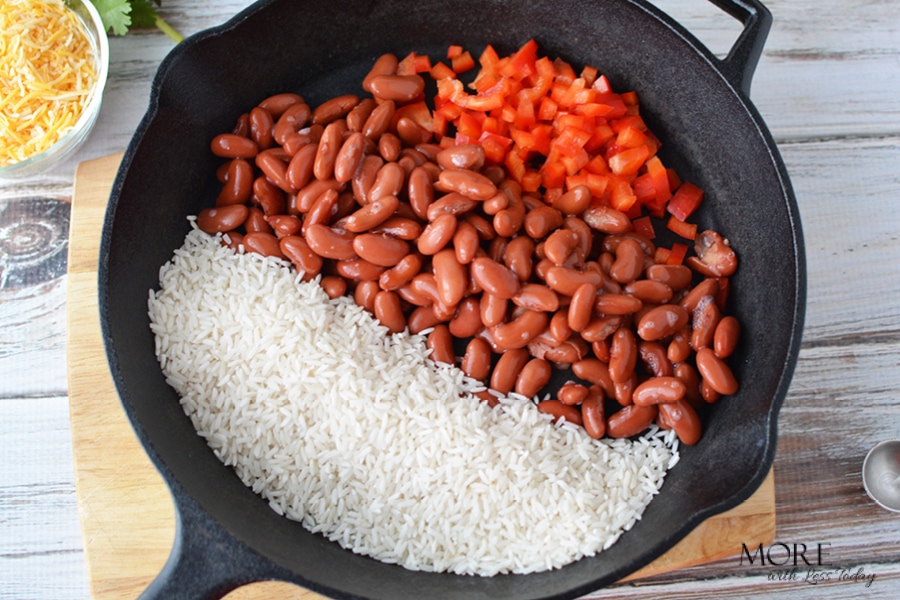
<point x="428" y="236"/>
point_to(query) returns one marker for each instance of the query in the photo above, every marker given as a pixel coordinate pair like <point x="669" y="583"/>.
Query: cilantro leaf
<point x="115" y="14"/>
<point x="119" y="16"/>
<point x="143" y="14"/>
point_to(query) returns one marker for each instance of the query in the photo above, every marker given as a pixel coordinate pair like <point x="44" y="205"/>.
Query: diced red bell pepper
<point x="682" y="228"/>
<point x="644" y="226"/>
<point x="629" y="161"/>
<point x="685" y="201"/>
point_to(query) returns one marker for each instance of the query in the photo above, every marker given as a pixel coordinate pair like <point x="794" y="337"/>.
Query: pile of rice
<point x="354" y="433"/>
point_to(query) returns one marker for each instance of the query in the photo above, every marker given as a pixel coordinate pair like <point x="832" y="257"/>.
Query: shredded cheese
<point x="47" y="70"/>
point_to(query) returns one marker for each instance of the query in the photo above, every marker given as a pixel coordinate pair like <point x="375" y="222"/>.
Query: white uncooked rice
<point x="354" y="433"/>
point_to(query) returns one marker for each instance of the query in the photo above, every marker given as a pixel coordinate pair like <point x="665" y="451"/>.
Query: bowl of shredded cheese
<point x="54" y="59"/>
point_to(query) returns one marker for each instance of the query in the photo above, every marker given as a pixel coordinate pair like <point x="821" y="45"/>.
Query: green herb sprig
<point x="119" y="16"/>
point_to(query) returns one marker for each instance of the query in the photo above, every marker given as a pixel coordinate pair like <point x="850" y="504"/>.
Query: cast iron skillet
<point x="696" y="103"/>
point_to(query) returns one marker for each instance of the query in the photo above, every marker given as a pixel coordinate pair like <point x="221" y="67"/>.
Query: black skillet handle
<point x="740" y="64"/>
<point x="206" y="562"/>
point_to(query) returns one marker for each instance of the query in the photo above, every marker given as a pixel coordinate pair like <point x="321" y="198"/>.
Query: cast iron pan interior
<point x="711" y="134"/>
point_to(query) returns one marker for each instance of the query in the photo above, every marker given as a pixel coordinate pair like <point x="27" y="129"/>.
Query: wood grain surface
<point x="827" y="86"/>
<point x="116" y="481"/>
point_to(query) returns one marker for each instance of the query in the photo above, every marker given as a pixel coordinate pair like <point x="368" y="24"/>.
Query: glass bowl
<point x="69" y="143"/>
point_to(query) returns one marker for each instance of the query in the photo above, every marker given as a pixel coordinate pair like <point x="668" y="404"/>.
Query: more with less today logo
<point x="802" y="563"/>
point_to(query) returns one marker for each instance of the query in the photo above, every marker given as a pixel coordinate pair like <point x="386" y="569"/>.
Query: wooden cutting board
<point x="127" y="516"/>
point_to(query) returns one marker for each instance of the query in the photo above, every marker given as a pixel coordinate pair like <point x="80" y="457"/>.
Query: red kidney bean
<point x="629" y="261"/>
<point x="256" y="221"/>
<point x="380" y="120"/>
<point x="494" y="278"/>
<point x="469" y="183"/>
<point x="715" y="257"/>
<point x="401" y="273"/>
<point x="560" y="245"/>
<point x="533" y="377"/>
<point x="517" y="256"/>
<point x="467" y="320"/>
<point x="623" y="355"/>
<point x="421" y="318"/>
<point x="284" y="225"/>
<point x="726" y="336"/>
<point x="540" y="221"/>
<point x="222" y="218"/>
<point x="276" y="105"/>
<point x="493" y="309"/>
<point x="683" y="419"/>
<point x="450" y="276"/>
<point x="275" y="169"/>
<point x="560" y="411"/>
<point x="389" y="181"/>
<point x="521" y="330"/>
<point x="298" y="252"/>
<point x="334" y="109"/>
<point x="572" y="393"/>
<point x="535" y="296"/>
<point x="386" y="64"/>
<point x="437" y="234"/>
<point x="679" y="349"/>
<point x="399" y="88"/>
<point x="461" y="156"/>
<point x="465" y="242"/>
<point x="507" y="369"/>
<point x="263" y="243"/>
<point x="334" y="286"/>
<point x="661" y="321"/>
<point x="440" y="342"/>
<point x="322" y="211"/>
<point x="372" y="215"/>
<point x="476" y="362"/>
<point x="389" y="312"/>
<point x="607" y="219"/>
<point x="593" y="414"/>
<point x="657" y="390"/>
<point x="450" y="204"/>
<point x="229" y="145"/>
<point x="705" y="318"/>
<point x="292" y="120"/>
<point x="356" y="118"/>
<point x="566" y="280"/>
<point x="238" y="186"/>
<point x="649" y="292"/>
<point x="600" y="328"/>
<point x="364" y="295"/>
<point x="299" y="170"/>
<point x="358" y="269"/>
<point x="677" y="277"/>
<point x="581" y="307"/>
<point x="349" y="158"/>
<point x="307" y="197"/>
<point x="688" y="375"/>
<point x="707" y="287"/>
<point x="616" y="304"/>
<point x="596" y="372"/>
<point x="630" y="420"/>
<point x="331" y="243"/>
<point x="262" y="127"/>
<point x="655" y="359"/>
<point x="715" y="372"/>
<point x="365" y="176"/>
<point x="624" y="390"/>
<point x="399" y="227"/>
<point x="382" y="250"/>
<point x="575" y="201"/>
<point x="707" y="393"/>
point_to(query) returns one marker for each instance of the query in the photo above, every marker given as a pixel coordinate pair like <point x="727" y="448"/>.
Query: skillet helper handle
<point x="740" y="64"/>
<point x="206" y="562"/>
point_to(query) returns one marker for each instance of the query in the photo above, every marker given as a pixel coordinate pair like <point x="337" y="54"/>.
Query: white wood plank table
<point x="828" y="88"/>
